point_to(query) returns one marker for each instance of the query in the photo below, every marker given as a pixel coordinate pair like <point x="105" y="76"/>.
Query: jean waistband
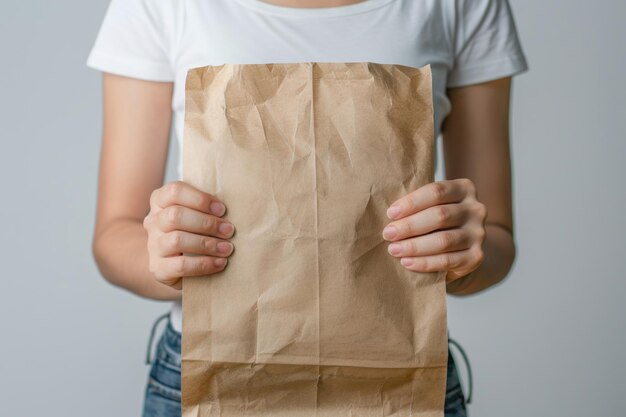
<point x="171" y="336"/>
<point x="470" y="383"/>
<point x="173" y="339"/>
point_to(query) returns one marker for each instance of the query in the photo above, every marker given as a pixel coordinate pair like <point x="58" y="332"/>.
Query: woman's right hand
<point x="183" y="219"/>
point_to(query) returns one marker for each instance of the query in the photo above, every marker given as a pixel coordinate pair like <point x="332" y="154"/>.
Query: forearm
<point x="499" y="254"/>
<point x="121" y="253"/>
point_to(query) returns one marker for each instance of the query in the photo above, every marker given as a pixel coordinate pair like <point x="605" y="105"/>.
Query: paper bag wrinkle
<point x="311" y="316"/>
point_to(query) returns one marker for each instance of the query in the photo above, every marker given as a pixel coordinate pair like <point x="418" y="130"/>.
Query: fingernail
<point x="406" y="261"/>
<point x="226" y="229"/>
<point x="393" y="211"/>
<point x="217" y="208"/>
<point x="224" y="247"/>
<point x="390" y="232"/>
<point x="220" y="261"/>
<point x="394" y="248"/>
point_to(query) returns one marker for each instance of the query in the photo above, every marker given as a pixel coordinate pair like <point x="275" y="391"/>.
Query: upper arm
<point x="136" y="126"/>
<point x="476" y="144"/>
<point x="485" y="43"/>
<point x="487" y="53"/>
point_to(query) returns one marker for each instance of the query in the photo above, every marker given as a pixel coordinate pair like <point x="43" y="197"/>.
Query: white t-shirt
<point x="465" y="41"/>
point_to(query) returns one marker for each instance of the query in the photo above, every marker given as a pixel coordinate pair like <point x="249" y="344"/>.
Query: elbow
<point x="98" y="253"/>
<point x="508" y="260"/>
<point x="502" y="267"/>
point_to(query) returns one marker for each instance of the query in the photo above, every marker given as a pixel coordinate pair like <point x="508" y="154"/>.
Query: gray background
<point x="549" y="341"/>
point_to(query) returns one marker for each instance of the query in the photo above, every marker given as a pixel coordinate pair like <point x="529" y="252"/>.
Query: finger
<point x="431" y="244"/>
<point x="434" y="263"/>
<point x="183" y="194"/>
<point x="190" y="265"/>
<point x="433" y="218"/>
<point x="432" y="194"/>
<point x="177" y="241"/>
<point x="184" y="218"/>
<point x="174" y="282"/>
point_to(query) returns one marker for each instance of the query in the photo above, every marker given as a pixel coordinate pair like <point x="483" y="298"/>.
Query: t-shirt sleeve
<point x="486" y="44"/>
<point x="134" y="40"/>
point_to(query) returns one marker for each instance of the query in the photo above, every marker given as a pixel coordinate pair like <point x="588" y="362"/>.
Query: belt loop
<point x="154" y="326"/>
<point x="467" y="365"/>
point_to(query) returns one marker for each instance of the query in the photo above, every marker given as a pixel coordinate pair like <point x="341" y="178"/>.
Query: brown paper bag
<point x="312" y="316"/>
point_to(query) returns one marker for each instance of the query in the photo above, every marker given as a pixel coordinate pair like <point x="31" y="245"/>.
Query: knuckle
<point x="482" y="234"/>
<point x="207" y="244"/>
<point x="180" y="265"/>
<point x="439" y="190"/>
<point x="405" y="228"/>
<point x="442" y="215"/>
<point x="197" y="267"/>
<point x="479" y="255"/>
<point x="173" y="216"/>
<point x="174" y="190"/>
<point x="162" y="241"/>
<point x="209" y="223"/>
<point x="175" y="240"/>
<point x="426" y="264"/>
<point x="468" y="184"/>
<point x="481" y="209"/>
<point x="156" y="275"/>
<point x="153" y="197"/>
<point x="157" y="270"/>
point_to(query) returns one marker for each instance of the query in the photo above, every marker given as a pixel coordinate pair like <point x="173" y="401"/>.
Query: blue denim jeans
<point x="162" y="394"/>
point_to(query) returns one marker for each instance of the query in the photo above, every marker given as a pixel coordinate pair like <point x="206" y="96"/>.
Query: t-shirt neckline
<point x="348" y="9"/>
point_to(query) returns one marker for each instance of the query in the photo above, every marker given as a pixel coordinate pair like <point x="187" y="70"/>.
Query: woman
<point x="145" y="48"/>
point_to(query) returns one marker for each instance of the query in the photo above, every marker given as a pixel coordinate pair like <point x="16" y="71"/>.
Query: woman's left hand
<point x="438" y="227"/>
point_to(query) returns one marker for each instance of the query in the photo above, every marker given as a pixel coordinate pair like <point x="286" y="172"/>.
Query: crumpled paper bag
<point x="312" y="316"/>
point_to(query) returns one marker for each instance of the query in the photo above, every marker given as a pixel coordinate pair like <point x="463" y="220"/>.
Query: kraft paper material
<point x="312" y="316"/>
